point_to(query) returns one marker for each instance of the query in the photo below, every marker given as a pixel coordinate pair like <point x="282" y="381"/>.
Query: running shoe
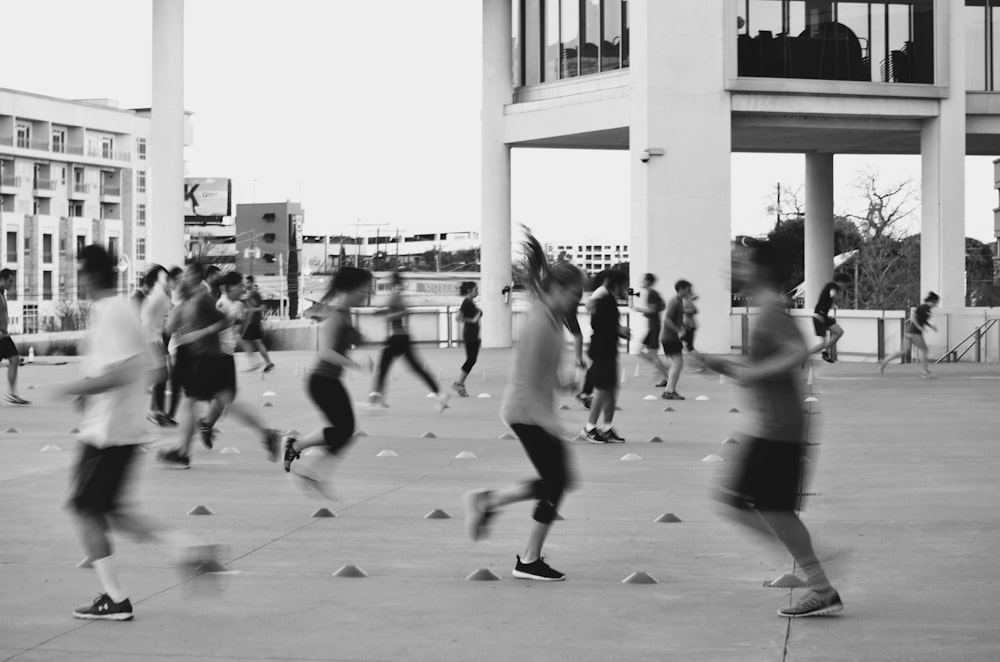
<point x="613" y="436"/>
<point x="442" y="401"/>
<point x="154" y="418"/>
<point x="827" y="357"/>
<point x="168" y="421"/>
<point x="814" y="603"/>
<point x="584" y="399"/>
<point x="289" y="454"/>
<point x="272" y="442"/>
<point x="268" y="368"/>
<point x="460" y="389"/>
<point x="538" y="570"/>
<point x="671" y="395"/>
<point x="477" y="513"/>
<point x="105" y="609"/>
<point x="661" y="384"/>
<point x="207" y="433"/>
<point x="595" y="436"/>
<point x="375" y="399"/>
<point x="173" y="459"/>
<point x="15" y="399"/>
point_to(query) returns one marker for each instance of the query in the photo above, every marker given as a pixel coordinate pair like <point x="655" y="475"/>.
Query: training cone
<point x="506" y="435"/>
<point x="86" y="563"/>
<point x="428" y="435"/>
<point x="465" y="455"/>
<point x="50" y="448"/>
<point x="200" y="510"/>
<point x="323" y="512"/>
<point x="580" y="437"/>
<point x="437" y="513"/>
<point x="267" y="404"/>
<point x="315" y="450"/>
<point x="702" y="397"/>
<point x="786" y="581"/>
<point x="484" y="396"/>
<point x="640" y="578"/>
<point x="269" y="394"/>
<point x="655" y="440"/>
<point x="729" y="440"/>
<point x="350" y="571"/>
<point x="74" y="431"/>
<point x="483" y="575"/>
<point x="559" y="518"/>
<point x="650" y="397"/>
<point x="734" y="410"/>
<point x="711" y="458"/>
<point x="293" y="433"/>
<point x="629" y="457"/>
<point x="230" y="450"/>
<point x="564" y="407"/>
<point x="667" y="518"/>
<point x="31" y="388"/>
<point x="210" y="565"/>
<point x="669" y="409"/>
<point x="360" y="433"/>
<point x="811" y="398"/>
<point x="387" y="453"/>
<point x="722" y="378"/>
<point x="12" y="431"/>
<point x="431" y="395"/>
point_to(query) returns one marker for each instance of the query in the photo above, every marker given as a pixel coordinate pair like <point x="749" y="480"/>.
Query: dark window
<point x="47" y="285"/>
<point x="12" y="247"/>
<point x="47" y="248"/>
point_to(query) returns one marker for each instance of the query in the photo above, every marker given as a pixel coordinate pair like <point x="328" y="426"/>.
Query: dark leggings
<point x="159" y="399"/>
<point x="332" y="399"/>
<point x="548" y="454"/>
<point x="471" y="354"/>
<point x="400" y="345"/>
<point x="176" y="373"/>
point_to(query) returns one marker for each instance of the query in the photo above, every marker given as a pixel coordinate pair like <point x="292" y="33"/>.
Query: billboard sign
<point x="207" y="199"/>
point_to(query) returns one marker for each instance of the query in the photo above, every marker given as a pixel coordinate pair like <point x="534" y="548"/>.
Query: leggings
<point x="332" y="399"/>
<point x="177" y="368"/>
<point x="548" y="455"/>
<point x="400" y="345"/>
<point x="471" y="354"/>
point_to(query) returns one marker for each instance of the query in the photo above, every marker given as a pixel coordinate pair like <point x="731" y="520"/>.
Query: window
<point x="107" y="147"/>
<point x="140" y="181"/>
<point x="113" y="248"/>
<point x="59" y="141"/>
<point x="76" y="209"/>
<point x="47" y="248"/>
<point x="24" y="135"/>
<point x="140" y="214"/>
<point x="268" y="237"/>
<point x="140" y="249"/>
<point x="81" y="242"/>
<point x="140" y="148"/>
<point x="47" y="286"/>
<point x="12" y="247"/>
<point x="81" y="291"/>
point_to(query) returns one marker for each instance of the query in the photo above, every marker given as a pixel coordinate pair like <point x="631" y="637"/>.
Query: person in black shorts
<point x="825" y="325"/>
<point x="252" y="333"/>
<point x="913" y="333"/>
<point x="765" y="479"/>
<point x="604" y="356"/>
<point x="470" y="315"/>
<point x="651" y="305"/>
<point x="673" y="333"/>
<point x="7" y="348"/>
<point x="348" y="288"/>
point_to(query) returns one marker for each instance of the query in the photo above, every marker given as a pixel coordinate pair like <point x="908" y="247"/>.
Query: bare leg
<point x="262" y="350"/>
<point x="676" y="365"/>
<point x="536" y="538"/>
<point x="794" y="535"/>
<point x="14" y="363"/>
<point x="650" y="355"/>
<point x="599" y="405"/>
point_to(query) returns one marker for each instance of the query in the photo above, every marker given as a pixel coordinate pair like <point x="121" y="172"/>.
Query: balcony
<point x="110" y="193"/>
<point x="10" y="184"/>
<point x="101" y="153"/>
<point x="40" y="145"/>
<point x="44" y="187"/>
<point x="79" y="191"/>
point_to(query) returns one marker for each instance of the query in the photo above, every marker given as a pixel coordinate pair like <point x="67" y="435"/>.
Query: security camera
<point x="650" y="152"/>
<point x="645" y="156"/>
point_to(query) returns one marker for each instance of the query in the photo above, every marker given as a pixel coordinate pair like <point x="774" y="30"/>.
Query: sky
<point x="368" y="114"/>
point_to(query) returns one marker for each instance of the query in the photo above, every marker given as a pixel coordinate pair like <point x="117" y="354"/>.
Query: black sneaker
<point x="539" y="571"/>
<point x="15" y="399"/>
<point x="272" y="442"/>
<point x="168" y="421"/>
<point x="826" y="357"/>
<point x="207" y="433"/>
<point x="661" y="384"/>
<point x="105" y="609"/>
<point x="584" y="399"/>
<point x="173" y="458"/>
<point x="268" y="368"/>
<point x="814" y="604"/>
<point x="595" y="436"/>
<point x="671" y="395"/>
<point x="612" y="435"/>
<point x="290" y="454"/>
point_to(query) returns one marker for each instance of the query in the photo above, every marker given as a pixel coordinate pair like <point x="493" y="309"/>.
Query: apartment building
<point x="592" y="256"/>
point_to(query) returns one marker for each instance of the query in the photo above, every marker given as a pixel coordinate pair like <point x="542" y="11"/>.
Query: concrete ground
<point x="904" y="486"/>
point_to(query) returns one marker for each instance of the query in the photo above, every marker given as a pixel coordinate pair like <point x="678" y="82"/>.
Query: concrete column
<point x="680" y="225"/>
<point x="819" y="225"/>
<point x="166" y="146"/>
<point x="942" y="156"/>
<point x="495" y="231"/>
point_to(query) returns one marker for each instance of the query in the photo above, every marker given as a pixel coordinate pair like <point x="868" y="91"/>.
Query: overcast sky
<point x="368" y="112"/>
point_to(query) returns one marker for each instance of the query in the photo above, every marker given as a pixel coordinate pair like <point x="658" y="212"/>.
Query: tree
<point x="980" y="287"/>
<point x="787" y="205"/>
<point x="887" y="204"/>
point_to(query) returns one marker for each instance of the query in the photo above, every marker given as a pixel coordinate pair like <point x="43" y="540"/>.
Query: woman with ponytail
<point x="529" y="409"/>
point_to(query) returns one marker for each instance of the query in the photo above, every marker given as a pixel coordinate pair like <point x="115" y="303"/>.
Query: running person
<point x="252" y="334"/>
<point x="766" y="480"/>
<point x="348" y="288"/>
<point x="529" y="409"/>
<point x="651" y="305"/>
<point x="673" y="332"/>
<point x="400" y="344"/>
<point x="914" y="334"/>
<point x="114" y="369"/>
<point x="690" y="327"/>
<point x="174" y="277"/>
<point x="8" y="350"/>
<point x="604" y="356"/>
<point x="152" y="318"/>
<point x="470" y="315"/>
<point x="825" y="325"/>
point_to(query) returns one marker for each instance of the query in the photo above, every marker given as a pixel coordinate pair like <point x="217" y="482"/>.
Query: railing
<point x="100" y="153"/>
<point x="74" y="149"/>
<point x="42" y="145"/>
<point x="107" y="189"/>
<point x="10" y="180"/>
<point x="44" y="184"/>
<point x="7" y="140"/>
<point x="973" y="341"/>
<point x="82" y="188"/>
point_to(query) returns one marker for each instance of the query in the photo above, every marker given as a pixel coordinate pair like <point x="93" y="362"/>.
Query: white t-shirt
<point x="153" y="315"/>
<point x="229" y="338"/>
<point x="115" y="417"/>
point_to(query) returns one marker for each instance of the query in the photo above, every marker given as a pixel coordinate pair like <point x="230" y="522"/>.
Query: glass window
<point x="569" y="51"/>
<point x="140" y="181"/>
<point x="81" y="243"/>
<point x="552" y="59"/>
<point x="515" y="41"/>
<point x="532" y="41"/>
<point x="140" y="249"/>
<point x="590" y="62"/>
<point x="140" y="213"/>
<point x="113" y="248"/>
<point x="611" y="42"/>
<point x="47" y="285"/>
<point x="24" y="135"/>
<point x="59" y="141"/>
<point x="12" y="247"/>
<point x="140" y="148"/>
<point x="47" y="248"/>
<point x="107" y="148"/>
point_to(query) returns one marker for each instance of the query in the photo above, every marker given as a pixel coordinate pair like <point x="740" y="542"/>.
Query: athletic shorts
<point x="604" y="372"/>
<point x="203" y="377"/>
<point x="766" y="475"/>
<point x="100" y="478"/>
<point x="252" y="332"/>
<point x="673" y="346"/>
<point x="7" y="348"/>
<point x="821" y="326"/>
<point x="652" y="339"/>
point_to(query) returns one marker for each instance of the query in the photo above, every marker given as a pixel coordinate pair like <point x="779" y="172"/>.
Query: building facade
<point x="681" y="85"/>
<point x="592" y="256"/>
